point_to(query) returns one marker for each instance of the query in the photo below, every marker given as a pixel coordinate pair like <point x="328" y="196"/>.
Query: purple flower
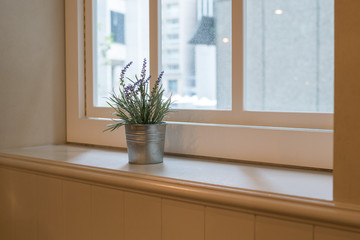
<point x="123" y="71"/>
<point x="128" y="90"/>
<point x="137" y="85"/>
<point x="157" y="83"/>
<point x="143" y="70"/>
<point x="147" y="80"/>
<point x="159" y="78"/>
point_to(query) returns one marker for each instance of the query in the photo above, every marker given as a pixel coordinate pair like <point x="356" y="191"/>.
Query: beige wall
<point x="32" y="72"/>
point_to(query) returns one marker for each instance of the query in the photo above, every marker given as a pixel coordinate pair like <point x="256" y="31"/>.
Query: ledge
<point x="304" y="194"/>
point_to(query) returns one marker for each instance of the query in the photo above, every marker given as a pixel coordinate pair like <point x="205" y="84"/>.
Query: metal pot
<point x="145" y="143"/>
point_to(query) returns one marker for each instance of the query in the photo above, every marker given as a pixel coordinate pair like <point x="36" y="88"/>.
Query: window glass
<point x="121" y="35"/>
<point x="289" y="55"/>
<point x="196" y="51"/>
<point x="172" y="85"/>
<point x="117" y="27"/>
<point x="172" y="21"/>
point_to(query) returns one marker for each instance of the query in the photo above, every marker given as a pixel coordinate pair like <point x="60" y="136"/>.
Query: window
<point x="204" y="124"/>
<point x="290" y="56"/>
<point x="116" y="43"/>
<point x="172" y="86"/>
<point x="172" y="53"/>
<point x="205" y="59"/>
<point x="172" y="6"/>
<point x="173" y="67"/>
<point x="172" y="24"/>
<point x="172" y="21"/>
<point x="117" y="27"/>
<point x="173" y="36"/>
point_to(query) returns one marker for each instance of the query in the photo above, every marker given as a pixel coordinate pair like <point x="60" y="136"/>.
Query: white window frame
<point x="282" y="138"/>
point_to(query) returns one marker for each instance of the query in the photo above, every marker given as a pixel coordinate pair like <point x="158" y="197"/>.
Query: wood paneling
<point x="182" y="220"/>
<point x="322" y="233"/>
<point x="39" y="207"/>
<point x="107" y="214"/>
<point x="6" y="202"/>
<point x="269" y="228"/>
<point x="229" y="225"/>
<point x="24" y="201"/>
<point x="50" y="208"/>
<point x="142" y="217"/>
<point x="77" y="210"/>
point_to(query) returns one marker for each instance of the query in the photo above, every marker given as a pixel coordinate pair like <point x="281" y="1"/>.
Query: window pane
<point x="121" y="30"/>
<point x="289" y="55"/>
<point x="196" y="53"/>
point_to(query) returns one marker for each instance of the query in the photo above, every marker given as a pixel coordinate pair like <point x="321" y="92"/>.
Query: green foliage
<point x="136" y="104"/>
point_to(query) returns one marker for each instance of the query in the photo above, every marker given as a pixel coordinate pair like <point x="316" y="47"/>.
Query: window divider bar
<point x="155" y="44"/>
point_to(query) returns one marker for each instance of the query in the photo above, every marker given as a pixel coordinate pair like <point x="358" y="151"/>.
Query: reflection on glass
<point x="121" y="30"/>
<point x="289" y="55"/>
<point x="196" y="53"/>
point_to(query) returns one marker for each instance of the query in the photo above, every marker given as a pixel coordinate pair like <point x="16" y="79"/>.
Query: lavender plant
<point x="135" y="103"/>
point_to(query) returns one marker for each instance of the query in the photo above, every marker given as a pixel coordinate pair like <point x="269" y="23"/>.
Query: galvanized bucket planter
<point x="145" y="143"/>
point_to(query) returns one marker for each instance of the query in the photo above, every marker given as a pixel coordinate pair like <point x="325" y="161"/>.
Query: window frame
<point x="222" y="135"/>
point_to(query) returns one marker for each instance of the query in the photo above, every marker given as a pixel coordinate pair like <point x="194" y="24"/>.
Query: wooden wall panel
<point x="39" y="207"/>
<point x="142" y="217"/>
<point x="24" y="202"/>
<point x="107" y="214"/>
<point x="50" y="208"/>
<point x="77" y="210"/>
<point x="182" y="220"/>
<point x="322" y="233"/>
<point x="269" y="228"/>
<point x="229" y="225"/>
<point x="6" y="200"/>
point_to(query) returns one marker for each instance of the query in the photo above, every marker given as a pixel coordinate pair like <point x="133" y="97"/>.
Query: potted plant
<point x="142" y="110"/>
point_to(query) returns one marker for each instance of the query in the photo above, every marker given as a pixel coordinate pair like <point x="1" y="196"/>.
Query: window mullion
<point x="154" y="46"/>
<point x="88" y="33"/>
<point x="237" y="58"/>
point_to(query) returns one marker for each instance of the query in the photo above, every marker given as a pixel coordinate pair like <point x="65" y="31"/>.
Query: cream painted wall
<point x="347" y="100"/>
<point x="32" y="72"/>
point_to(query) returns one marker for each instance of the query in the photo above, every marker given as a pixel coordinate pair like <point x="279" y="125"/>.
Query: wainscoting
<point x="50" y="206"/>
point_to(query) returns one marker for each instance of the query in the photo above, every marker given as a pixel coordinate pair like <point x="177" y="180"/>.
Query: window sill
<point x="292" y="192"/>
<point x="264" y="179"/>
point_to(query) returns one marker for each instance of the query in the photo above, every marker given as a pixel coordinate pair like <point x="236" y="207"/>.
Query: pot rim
<point x="148" y="124"/>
